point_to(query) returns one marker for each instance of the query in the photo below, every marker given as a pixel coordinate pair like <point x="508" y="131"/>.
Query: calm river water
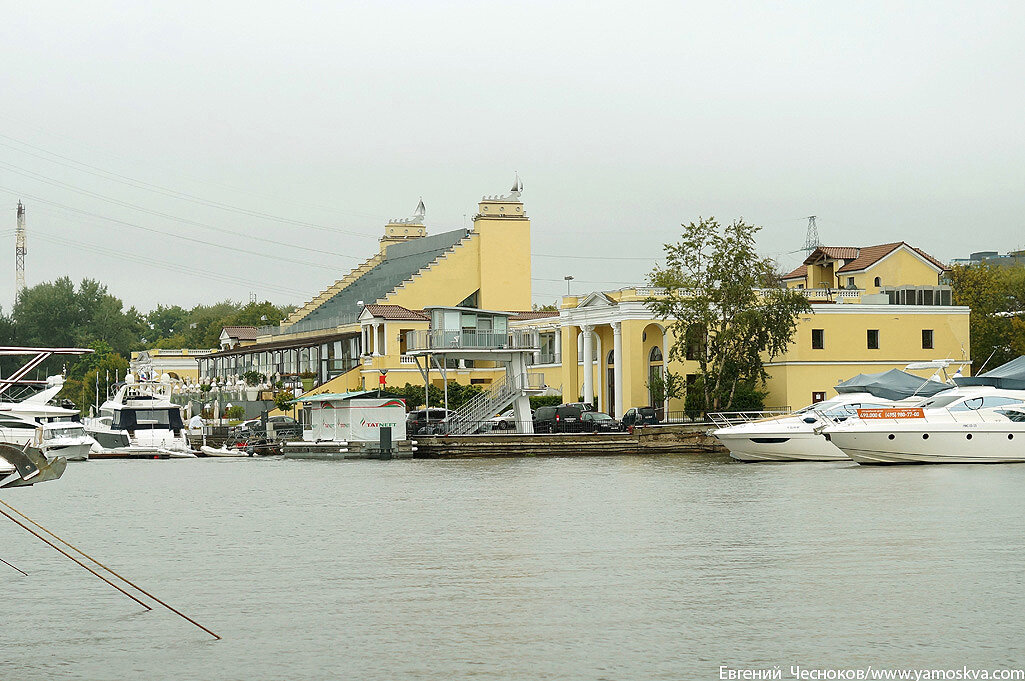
<point x="564" y="568"/>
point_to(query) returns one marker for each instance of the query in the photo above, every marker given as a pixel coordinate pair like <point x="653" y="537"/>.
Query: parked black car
<point x="599" y="422"/>
<point x="584" y="406"/>
<point x="564" y="418"/>
<point x="420" y="419"/>
<point x="640" y="416"/>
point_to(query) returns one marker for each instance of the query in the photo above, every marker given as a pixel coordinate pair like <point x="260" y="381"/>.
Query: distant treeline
<point x="57" y="314"/>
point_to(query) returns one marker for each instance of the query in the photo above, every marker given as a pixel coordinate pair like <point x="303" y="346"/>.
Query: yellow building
<point x="874" y="308"/>
<point x="180" y="364"/>
<point x="355" y="330"/>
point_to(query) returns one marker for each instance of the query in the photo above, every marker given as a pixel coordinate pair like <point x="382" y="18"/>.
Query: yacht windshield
<point x="940" y="401"/>
<point x="163" y="419"/>
<point x="825" y="405"/>
<point x="65" y="431"/>
<point x="851" y="409"/>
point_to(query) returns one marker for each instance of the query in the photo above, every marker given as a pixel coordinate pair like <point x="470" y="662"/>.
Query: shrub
<point x="282" y="399"/>
<point x="236" y="412"/>
<point x="545" y="401"/>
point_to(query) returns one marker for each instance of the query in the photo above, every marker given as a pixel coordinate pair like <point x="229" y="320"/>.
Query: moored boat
<point x="797" y="436"/>
<point x="981" y="421"/>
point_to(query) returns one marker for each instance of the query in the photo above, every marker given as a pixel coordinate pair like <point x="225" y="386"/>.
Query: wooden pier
<point x="668" y="439"/>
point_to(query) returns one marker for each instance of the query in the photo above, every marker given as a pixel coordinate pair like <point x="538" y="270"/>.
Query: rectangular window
<point x="850" y="282"/>
<point x="927" y="339"/>
<point x="873" y="339"/>
<point x="817" y="397"/>
<point x="818" y="339"/>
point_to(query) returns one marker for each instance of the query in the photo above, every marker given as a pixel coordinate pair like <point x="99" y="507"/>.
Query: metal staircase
<point x="499" y="395"/>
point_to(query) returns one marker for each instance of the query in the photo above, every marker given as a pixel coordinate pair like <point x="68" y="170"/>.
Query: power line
<point x="142" y="209"/>
<point x="234" y="249"/>
<point x="148" y="186"/>
<point x="592" y="257"/>
<point x="181" y="269"/>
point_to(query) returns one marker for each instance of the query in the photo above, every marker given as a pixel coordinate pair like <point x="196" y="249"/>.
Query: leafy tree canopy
<point x="715" y="288"/>
<point x="997" y="297"/>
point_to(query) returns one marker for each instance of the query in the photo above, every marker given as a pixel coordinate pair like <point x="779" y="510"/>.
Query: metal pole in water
<point x="68" y="555"/>
<point x="13" y="567"/>
<point x="123" y="579"/>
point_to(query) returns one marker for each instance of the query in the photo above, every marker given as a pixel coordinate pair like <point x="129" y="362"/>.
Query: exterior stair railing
<point x="497" y="397"/>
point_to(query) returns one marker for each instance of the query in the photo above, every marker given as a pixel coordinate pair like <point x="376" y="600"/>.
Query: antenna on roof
<point x="811" y="239"/>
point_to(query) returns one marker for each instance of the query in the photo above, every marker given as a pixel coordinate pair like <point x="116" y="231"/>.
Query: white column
<point x="384" y="338"/>
<point x="617" y="359"/>
<point x="377" y="331"/>
<point x="601" y="373"/>
<point x="365" y="340"/>
<point x="558" y="343"/>
<point x="588" y="364"/>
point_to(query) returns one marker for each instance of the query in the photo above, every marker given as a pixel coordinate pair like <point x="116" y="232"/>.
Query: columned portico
<point x="588" y="364"/>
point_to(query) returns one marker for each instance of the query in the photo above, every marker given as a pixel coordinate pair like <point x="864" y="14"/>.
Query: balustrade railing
<point x="437" y="339"/>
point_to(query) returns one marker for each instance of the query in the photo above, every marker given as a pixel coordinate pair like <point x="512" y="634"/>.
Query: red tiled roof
<point x="240" y="332"/>
<point x="861" y="258"/>
<point x="397" y="313"/>
<point x="870" y="255"/>
<point x="534" y="314"/>
<point x="800" y="273"/>
<point x="834" y="252"/>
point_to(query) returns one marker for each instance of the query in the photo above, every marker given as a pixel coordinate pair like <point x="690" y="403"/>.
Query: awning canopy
<point x="892" y="385"/>
<point x="340" y="397"/>
<point x="1010" y="376"/>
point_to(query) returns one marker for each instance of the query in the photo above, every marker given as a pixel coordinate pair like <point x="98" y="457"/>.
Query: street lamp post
<point x="568" y="279"/>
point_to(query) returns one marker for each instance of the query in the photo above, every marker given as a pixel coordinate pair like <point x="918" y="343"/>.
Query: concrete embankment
<point x="668" y="439"/>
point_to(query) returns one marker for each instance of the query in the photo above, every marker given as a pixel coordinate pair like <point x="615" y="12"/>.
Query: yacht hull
<point x="792" y="446"/>
<point x="974" y="445"/>
<point x="71" y="452"/>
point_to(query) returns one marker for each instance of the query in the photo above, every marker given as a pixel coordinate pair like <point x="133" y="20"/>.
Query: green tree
<point x="996" y="296"/>
<point x="56" y="314"/>
<point x="167" y="322"/>
<point x="714" y="281"/>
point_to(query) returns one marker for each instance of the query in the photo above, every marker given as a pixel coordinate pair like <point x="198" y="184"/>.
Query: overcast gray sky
<point x="311" y="124"/>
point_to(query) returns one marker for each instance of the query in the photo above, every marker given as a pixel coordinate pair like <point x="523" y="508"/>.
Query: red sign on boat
<point x="905" y="413"/>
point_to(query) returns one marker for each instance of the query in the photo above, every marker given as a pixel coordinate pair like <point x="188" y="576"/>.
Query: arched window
<point x="655" y="355"/>
<point x="877" y="282"/>
<point x="611" y="358"/>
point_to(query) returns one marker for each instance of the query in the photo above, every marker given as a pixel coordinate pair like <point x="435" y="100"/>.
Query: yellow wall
<point x="800" y="371"/>
<point x="821" y="276"/>
<point x="900" y="268"/>
<point x="448" y="280"/>
<point x="504" y="263"/>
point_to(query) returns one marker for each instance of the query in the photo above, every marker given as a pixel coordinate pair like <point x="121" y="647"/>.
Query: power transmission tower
<point x="19" y="253"/>
<point x="811" y="239"/>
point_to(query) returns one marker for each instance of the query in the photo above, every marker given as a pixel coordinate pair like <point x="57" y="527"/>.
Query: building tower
<point x="811" y="239"/>
<point x="19" y="253"/>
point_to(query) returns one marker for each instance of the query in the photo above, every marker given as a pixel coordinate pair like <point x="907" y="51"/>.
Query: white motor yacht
<point x="139" y="419"/>
<point x="67" y="439"/>
<point x="981" y="421"/>
<point x="796" y="436"/>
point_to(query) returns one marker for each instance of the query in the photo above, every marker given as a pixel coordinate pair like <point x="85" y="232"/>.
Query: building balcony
<point x="469" y="339"/>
